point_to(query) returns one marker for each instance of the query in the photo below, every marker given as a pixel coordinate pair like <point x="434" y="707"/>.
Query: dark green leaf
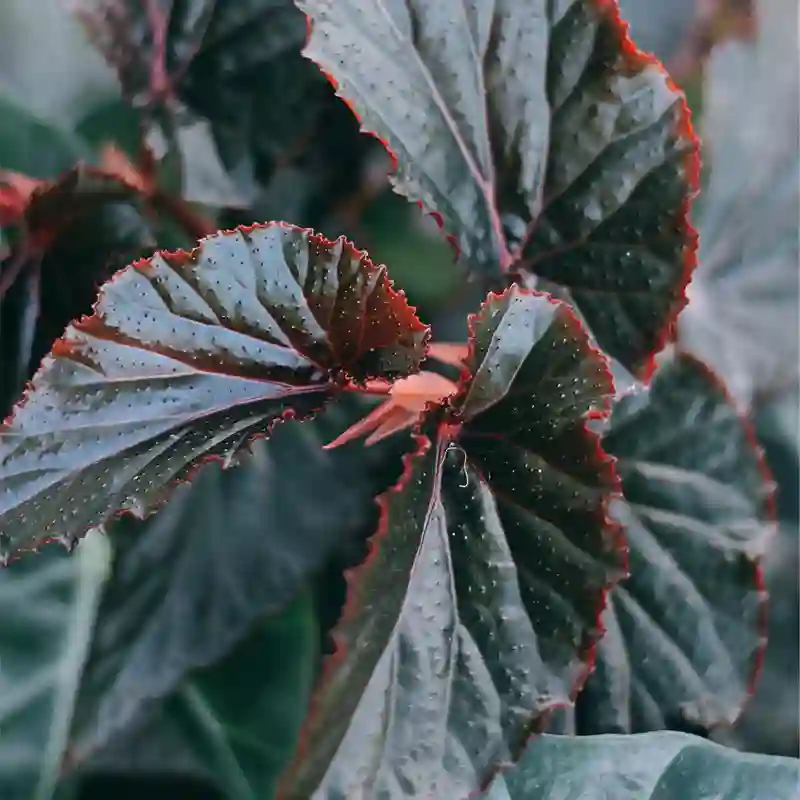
<point x="19" y="310"/>
<point x="421" y="261"/>
<point x="476" y="609"/>
<point x="686" y="632"/>
<point x="155" y="746"/>
<point x="654" y="766"/>
<point x="266" y="133"/>
<point x="259" y="522"/>
<point x="236" y="64"/>
<point x="242" y="715"/>
<point x="49" y="605"/>
<point x="32" y="146"/>
<point x="742" y="318"/>
<point x="188" y="584"/>
<point x="112" y="120"/>
<point x="333" y="171"/>
<point x="541" y="138"/>
<point x="189" y="356"/>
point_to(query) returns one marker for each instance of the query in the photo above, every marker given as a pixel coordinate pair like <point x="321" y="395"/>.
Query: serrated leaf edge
<point x="244" y="448"/>
<point x="634" y="59"/>
<point x="769" y="515"/>
<point x="452" y="238"/>
<point x="637" y="59"/>
<point x="614" y="533"/>
<point x="449" y="428"/>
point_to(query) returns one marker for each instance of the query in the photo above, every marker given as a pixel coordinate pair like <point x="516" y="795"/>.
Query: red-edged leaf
<point x="45" y="209"/>
<point x="541" y="138"/>
<point x="477" y="608"/>
<point x="71" y="234"/>
<point x="686" y="632"/>
<point x="189" y="356"/>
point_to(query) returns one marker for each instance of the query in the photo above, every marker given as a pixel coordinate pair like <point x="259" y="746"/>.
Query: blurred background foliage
<point x="59" y="102"/>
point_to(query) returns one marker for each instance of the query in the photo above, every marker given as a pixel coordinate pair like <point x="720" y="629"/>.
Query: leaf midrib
<point x="437" y="99"/>
<point x="485" y="183"/>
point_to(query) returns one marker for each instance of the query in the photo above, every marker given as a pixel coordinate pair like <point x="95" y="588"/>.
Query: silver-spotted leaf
<point x="476" y="610"/>
<point x="188" y="356"/>
<point x="543" y="140"/>
<point x="686" y="631"/>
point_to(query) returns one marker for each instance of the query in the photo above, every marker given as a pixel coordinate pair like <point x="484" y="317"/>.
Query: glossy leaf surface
<point x="49" y="607"/>
<point x="743" y="314"/>
<point x="189" y="584"/>
<point x="476" y="610"/>
<point x="188" y="356"/>
<point x="686" y="631"/>
<point x="540" y="137"/>
<point x="654" y="766"/>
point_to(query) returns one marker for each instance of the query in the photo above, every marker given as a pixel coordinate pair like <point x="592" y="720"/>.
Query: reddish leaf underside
<point x="540" y="137"/>
<point x="686" y="632"/>
<point x="188" y="356"/>
<point x="44" y="210"/>
<point x="408" y="398"/>
<point x="452" y="353"/>
<point x="69" y="235"/>
<point x="16" y="191"/>
<point x="477" y="609"/>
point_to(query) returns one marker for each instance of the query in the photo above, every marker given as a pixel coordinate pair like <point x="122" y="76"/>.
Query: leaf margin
<point x="450" y="423"/>
<point x="633" y="59"/>
<point x="338" y="378"/>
